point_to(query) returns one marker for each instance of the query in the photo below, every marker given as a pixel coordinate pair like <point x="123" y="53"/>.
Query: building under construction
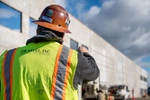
<point x="115" y="67"/>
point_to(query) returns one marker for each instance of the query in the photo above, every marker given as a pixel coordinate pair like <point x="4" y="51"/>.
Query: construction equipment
<point x="120" y="92"/>
<point x="90" y="93"/>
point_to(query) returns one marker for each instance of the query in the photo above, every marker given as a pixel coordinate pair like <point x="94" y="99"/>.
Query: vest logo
<point x="36" y="51"/>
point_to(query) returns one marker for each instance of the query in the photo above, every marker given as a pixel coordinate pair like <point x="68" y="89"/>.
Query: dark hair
<point x="41" y="28"/>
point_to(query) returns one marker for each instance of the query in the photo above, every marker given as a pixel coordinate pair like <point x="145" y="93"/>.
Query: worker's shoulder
<point x="2" y="55"/>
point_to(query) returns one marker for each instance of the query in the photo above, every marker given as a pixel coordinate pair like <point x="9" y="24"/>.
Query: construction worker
<point x="110" y="97"/>
<point x="101" y="95"/>
<point x="144" y="95"/>
<point x="45" y="69"/>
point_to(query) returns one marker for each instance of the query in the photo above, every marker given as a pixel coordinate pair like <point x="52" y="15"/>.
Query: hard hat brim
<point x="51" y="26"/>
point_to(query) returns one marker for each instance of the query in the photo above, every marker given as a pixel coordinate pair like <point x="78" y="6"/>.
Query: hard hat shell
<point x="54" y="17"/>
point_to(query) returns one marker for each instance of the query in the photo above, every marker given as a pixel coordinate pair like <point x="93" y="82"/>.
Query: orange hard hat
<point x="54" y="17"/>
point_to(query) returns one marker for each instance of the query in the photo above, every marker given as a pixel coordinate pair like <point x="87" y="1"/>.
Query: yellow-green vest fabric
<point x="35" y="72"/>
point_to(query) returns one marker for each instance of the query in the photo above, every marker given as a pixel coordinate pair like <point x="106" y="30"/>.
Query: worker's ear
<point x="37" y="30"/>
<point x="63" y="35"/>
<point x="85" y="81"/>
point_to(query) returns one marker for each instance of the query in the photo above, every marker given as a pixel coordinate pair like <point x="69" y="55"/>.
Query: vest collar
<point x="45" y="36"/>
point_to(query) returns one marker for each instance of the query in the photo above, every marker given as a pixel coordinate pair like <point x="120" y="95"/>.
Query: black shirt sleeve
<point x="87" y="69"/>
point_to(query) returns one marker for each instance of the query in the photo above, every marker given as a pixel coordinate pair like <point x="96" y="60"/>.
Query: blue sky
<point x="123" y="23"/>
<point x="10" y="17"/>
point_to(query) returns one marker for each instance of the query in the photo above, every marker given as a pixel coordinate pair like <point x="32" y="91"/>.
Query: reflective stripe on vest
<point x="7" y="73"/>
<point x="61" y="73"/>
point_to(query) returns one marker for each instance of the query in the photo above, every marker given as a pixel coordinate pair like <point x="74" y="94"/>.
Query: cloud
<point x="75" y="7"/>
<point x="17" y="30"/>
<point x="141" y="40"/>
<point x="61" y="2"/>
<point x="4" y="13"/>
<point x="80" y="7"/>
<point x="144" y="61"/>
<point x="94" y="10"/>
<point x="123" y="23"/>
<point x="32" y="31"/>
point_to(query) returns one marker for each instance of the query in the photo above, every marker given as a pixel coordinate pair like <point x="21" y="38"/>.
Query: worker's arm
<point x="87" y="69"/>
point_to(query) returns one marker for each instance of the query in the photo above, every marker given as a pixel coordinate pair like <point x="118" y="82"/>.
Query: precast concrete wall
<point x="115" y="67"/>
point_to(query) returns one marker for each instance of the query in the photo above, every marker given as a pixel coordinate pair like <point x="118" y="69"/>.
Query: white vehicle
<point x="120" y="92"/>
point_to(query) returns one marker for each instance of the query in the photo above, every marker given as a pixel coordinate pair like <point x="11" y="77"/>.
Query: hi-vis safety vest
<point x="42" y="71"/>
